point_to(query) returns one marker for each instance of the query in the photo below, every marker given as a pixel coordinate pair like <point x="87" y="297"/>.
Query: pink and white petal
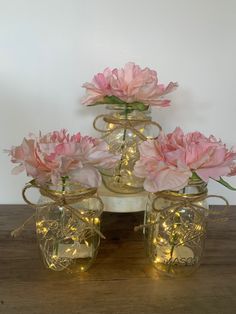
<point x="148" y="149"/>
<point x="18" y="169"/>
<point x="214" y="173"/>
<point x="150" y="185"/>
<point x="171" y="179"/>
<point x="87" y="176"/>
<point x="140" y="169"/>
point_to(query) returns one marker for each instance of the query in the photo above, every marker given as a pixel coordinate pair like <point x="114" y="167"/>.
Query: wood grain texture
<point x="121" y="280"/>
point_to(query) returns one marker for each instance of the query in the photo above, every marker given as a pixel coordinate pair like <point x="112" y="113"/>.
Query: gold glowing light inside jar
<point x="111" y="126"/>
<point x="39" y="223"/>
<point x="165" y="225"/>
<point x="82" y="268"/>
<point x="74" y="252"/>
<point x="198" y="227"/>
<point x="157" y="260"/>
<point x="96" y="221"/>
<point x="73" y="228"/>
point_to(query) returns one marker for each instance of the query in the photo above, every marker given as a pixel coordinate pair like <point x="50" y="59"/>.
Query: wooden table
<point x="121" y="280"/>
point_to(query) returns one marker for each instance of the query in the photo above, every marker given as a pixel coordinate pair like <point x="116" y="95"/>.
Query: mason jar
<point x="68" y="226"/>
<point x="176" y="229"/>
<point x="124" y="129"/>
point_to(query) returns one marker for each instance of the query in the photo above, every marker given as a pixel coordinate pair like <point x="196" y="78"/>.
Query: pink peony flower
<point x="129" y="84"/>
<point x="169" y="161"/>
<point x="50" y="157"/>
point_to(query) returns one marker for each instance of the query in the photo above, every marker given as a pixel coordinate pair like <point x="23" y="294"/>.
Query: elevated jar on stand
<point x="68" y="226"/>
<point x="124" y="129"/>
<point x="176" y="229"/>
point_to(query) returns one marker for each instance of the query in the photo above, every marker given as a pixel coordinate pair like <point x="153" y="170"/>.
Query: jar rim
<point x="71" y="189"/>
<point x="117" y="107"/>
<point x="191" y="183"/>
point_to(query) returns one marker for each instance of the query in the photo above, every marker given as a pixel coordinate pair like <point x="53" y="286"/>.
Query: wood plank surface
<point x="121" y="280"/>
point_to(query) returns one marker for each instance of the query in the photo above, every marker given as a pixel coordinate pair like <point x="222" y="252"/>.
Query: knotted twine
<point x="180" y="201"/>
<point x="60" y="199"/>
<point x="127" y="124"/>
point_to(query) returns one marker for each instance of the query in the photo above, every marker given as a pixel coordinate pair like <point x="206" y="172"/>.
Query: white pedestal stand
<point x="122" y="203"/>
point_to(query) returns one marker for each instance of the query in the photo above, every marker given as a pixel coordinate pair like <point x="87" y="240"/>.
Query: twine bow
<point x="60" y="199"/>
<point x="180" y="201"/>
<point x="127" y="124"/>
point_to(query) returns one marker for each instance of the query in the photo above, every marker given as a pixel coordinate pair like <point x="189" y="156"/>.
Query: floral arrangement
<point x="58" y="156"/>
<point x="130" y="86"/>
<point x="169" y="161"/>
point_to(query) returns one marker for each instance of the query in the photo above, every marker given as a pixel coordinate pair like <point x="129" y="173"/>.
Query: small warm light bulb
<point x="164" y="225"/>
<point x="74" y="252"/>
<point x="157" y="260"/>
<point x="96" y="220"/>
<point x="82" y="268"/>
<point x="198" y="227"/>
<point x="111" y="126"/>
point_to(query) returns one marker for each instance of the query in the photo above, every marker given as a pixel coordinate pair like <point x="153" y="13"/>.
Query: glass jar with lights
<point x="124" y="128"/>
<point x="175" y="229"/>
<point x="68" y="226"/>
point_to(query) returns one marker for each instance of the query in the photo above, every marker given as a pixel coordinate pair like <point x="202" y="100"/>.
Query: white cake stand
<point x="122" y="203"/>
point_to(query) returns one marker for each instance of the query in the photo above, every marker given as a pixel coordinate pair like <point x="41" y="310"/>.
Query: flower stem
<point x="63" y="179"/>
<point x="61" y="212"/>
<point x="123" y="144"/>
<point x="171" y="256"/>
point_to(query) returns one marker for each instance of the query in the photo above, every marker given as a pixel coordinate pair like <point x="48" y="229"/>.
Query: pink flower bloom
<point x="129" y="84"/>
<point x="49" y="157"/>
<point x="169" y="161"/>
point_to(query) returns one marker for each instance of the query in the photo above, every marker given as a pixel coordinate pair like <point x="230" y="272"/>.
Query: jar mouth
<point x="179" y="194"/>
<point x="122" y="107"/>
<point x="68" y="189"/>
<point x="132" y="115"/>
<point x="198" y="183"/>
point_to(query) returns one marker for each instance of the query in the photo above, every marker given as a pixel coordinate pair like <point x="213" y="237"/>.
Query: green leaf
<point x="195" y="176"/>
<point x="138" y="106"/>
<point x="113" y="100"/>
<point x="226" y="184"/>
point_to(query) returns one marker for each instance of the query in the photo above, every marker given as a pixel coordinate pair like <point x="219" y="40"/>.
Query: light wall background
<point x="48" y="48"/>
